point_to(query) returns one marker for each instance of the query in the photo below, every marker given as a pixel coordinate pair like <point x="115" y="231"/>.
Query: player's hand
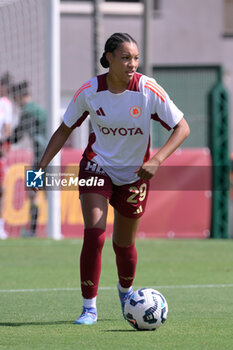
<point x="148" y="169"/>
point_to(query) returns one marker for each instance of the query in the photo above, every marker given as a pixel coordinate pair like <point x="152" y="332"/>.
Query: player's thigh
<point x="124" y="229"/>
<point x="94" y="210"/>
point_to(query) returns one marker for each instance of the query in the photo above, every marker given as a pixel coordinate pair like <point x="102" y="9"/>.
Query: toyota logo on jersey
<point x="135" y="111"/>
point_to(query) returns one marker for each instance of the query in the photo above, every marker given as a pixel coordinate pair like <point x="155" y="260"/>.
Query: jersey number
<point x="141" y="192"/>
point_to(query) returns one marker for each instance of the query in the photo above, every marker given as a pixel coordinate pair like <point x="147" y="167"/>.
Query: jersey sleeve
<point x="9" y="115"/>
<point x="77" y="110"/>
<point x="162" y="107"/>
<point x="7" y="108"/>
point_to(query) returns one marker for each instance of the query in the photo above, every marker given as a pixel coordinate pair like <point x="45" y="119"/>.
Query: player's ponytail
<point x="112" y="44"/>
<point x="104" y="61"/>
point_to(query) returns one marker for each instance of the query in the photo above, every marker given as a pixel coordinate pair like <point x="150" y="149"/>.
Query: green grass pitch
<point x="40" y="296"/>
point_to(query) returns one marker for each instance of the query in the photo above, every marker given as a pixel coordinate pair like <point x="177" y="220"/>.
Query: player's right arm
<point x="75" y="114"/>
<point x="55" y="144"/>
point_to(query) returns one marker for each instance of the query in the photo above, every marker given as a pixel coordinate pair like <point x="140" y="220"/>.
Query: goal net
<point x="23" y="66"/>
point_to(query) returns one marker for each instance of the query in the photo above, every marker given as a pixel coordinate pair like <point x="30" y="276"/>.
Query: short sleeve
<point x="9" y="118"/>
<point x="162" y="107"/>
<point x="7" y="109"/>
<point x="77" y="110"/>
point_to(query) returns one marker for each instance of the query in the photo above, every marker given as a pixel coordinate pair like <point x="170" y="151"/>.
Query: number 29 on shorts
<point x="138" y="193"/>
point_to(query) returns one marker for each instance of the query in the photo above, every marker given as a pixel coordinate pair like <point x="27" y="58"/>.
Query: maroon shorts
<point x="129" y="200"/>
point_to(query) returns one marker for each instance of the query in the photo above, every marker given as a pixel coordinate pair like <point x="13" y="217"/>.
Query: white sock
<point x="89" y="302"/>
<point x="122" y="289"/>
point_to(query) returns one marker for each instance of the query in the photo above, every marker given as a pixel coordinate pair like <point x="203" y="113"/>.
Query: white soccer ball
<point x="146" y="309"/>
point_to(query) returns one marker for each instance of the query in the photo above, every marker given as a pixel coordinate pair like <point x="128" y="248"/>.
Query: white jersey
<point x="6" y="114"/>
<point x="120" y="137"/>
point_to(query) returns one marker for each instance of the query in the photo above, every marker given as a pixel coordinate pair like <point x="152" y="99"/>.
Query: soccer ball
<point x="146" y="309"/>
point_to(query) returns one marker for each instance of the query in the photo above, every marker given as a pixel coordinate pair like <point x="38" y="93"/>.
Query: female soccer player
<point x="121" y="104"/>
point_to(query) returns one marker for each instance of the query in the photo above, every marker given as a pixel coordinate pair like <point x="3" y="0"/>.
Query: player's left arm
<point x="4" y="142"/>
<point x="180" y="133"/>
<point x="7" y="130"/>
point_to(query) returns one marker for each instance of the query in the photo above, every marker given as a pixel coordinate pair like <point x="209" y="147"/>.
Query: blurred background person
<point x="6" y="113"/>
<point x="32" y="122"/>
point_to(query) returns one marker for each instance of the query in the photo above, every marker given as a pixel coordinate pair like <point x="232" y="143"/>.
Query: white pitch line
<point x="38" y="290"/>
<point x="185" y="286"/>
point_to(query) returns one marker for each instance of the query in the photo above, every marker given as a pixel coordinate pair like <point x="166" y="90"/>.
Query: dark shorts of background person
<point x="129" y="200"/>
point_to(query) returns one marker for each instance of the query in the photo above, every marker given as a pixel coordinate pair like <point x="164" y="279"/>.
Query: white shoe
<point x="3" y="234"/>
<point x="88" y="316"/>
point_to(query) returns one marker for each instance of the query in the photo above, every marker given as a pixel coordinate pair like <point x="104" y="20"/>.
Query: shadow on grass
<point x="118" y="330"/>
<point x="39" y="323"/>
<point x="54" y="323"/>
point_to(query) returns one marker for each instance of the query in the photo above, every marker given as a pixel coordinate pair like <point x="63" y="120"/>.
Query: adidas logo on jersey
<point x="100" y="112"/>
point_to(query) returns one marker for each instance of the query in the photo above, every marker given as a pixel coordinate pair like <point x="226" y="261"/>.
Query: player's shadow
<point x="118" y="330"/>
<point x="52" y="323"/>
<point x="39" y="323"/>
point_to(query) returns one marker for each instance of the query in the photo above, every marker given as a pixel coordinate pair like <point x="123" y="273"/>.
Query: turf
<point x="40" y="296"/>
